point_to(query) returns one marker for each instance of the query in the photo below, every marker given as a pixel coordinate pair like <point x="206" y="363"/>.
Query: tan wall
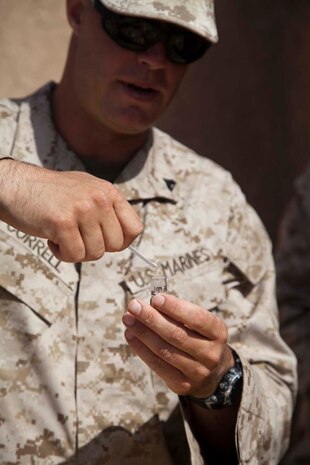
<point x="33" y="43"/>
<point x="246" y="104"/>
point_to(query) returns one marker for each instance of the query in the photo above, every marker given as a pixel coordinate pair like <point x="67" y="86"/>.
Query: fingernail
<point x="134" y="307"/>
<point x="128" y="320"/>
<point x="158" y="300"/>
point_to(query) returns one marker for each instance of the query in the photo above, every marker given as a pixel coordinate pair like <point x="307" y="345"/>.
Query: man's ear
<point x="75" y="12"/>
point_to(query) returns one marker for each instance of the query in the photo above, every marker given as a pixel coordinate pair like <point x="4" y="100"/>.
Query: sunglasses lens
<point x="186" y="47"/>
<point x="131" y="33"/>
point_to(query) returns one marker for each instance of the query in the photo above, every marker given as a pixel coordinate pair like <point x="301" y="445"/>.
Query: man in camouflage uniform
<point x="201" y="374"/>
<point x="293" y="267"/>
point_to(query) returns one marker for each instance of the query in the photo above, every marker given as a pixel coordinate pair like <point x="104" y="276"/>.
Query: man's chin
<point x="132" y="126"/>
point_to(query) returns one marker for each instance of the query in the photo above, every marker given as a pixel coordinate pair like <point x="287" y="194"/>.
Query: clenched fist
<point x="81" y="216"/>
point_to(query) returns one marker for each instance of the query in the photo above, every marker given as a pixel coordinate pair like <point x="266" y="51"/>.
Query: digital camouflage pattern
<point x="72" y="392"/>
<point x="197" y="15"/>
<point x="293" y="271"/>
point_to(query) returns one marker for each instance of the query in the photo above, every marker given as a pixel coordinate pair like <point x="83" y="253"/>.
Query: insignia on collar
<point x="170" y="184"/>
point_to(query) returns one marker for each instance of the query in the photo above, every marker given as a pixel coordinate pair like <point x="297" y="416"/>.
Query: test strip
<point x="146" y="260"/>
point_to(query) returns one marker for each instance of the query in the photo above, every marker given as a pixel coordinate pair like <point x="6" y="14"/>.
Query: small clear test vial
<point x="158" y="284"/>
<point x="158" y="281"/>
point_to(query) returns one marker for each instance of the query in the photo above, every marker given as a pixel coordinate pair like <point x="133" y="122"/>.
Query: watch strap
<point x="227" y="392"/>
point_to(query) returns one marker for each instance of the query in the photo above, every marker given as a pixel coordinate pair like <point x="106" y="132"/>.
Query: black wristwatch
<point x="228" y="391"/>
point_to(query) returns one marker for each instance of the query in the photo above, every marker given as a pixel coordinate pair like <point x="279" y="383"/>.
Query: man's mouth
<point x="140" y="91"/>
<point x="146" y="90"/>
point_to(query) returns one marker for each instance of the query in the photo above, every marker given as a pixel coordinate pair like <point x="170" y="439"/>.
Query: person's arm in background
<point x="81" y="216"/>
<point x="293" y="278"/>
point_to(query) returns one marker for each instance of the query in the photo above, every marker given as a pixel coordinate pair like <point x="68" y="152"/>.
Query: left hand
<point x="181" y="342"/>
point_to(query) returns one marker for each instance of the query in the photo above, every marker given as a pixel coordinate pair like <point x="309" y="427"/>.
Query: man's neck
<point x="104" y="152"/>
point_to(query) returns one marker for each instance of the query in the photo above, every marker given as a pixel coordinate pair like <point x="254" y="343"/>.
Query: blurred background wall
<point x="246" y="104"/>
<point x="33" y="42"/>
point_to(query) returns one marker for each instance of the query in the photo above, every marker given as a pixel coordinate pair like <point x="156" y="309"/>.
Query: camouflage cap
<point x="196" y="15"/>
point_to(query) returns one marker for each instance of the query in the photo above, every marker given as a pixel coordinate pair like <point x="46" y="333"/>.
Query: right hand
<point x="81" y="216"/>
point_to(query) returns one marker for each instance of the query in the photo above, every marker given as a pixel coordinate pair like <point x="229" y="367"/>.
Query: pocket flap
<point x="40" y="284"/>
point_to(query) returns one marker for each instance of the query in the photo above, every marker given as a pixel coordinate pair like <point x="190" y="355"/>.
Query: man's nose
<point x="154" y="57"/>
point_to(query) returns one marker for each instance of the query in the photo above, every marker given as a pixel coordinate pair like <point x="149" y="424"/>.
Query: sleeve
<point x="251" y="313"/>
<point x="293" y="274"/>
<point x="247" y="303"/>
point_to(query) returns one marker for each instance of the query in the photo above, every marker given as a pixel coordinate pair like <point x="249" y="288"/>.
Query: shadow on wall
<point x="245" y="104"/>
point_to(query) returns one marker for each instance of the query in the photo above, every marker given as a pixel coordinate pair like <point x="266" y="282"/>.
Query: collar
<point x="150" y="173"/>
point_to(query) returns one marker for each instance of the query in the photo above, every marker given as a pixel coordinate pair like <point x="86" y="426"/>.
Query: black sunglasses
<point x="139" y="34"/>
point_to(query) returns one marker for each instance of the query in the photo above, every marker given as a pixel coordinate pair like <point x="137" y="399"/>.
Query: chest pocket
<point x="33" y="295"/>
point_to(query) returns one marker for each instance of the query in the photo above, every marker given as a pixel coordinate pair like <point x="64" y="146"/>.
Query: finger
<point x="175" y="333"/>
<point x="68" y="247"/>
<point x="129" y="220"/>
<point x="192" y="316"/>
<point x="171" y="355"/>
<point x="175" y="380"/>
<point x="112" y="232"/>
<point x="93" y="240"/>
<point x="99" y="226"/>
